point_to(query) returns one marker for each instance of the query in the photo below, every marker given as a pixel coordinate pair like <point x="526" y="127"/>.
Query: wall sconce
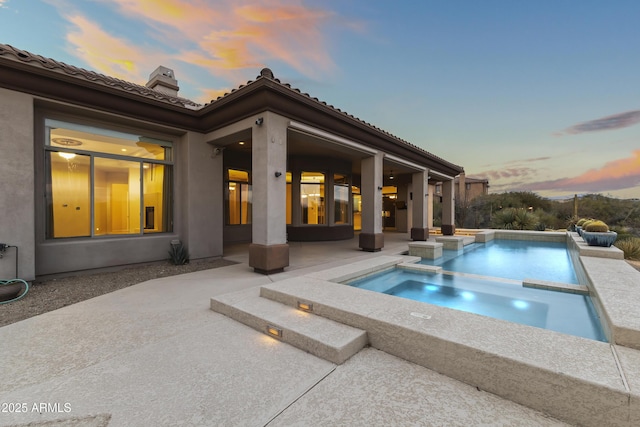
<point x="391" y="175"/>
<point x="305" y="306"/>
<point x="278" y="174"/>
<point x="259" y="121"/>
<point x="274" y="331"/>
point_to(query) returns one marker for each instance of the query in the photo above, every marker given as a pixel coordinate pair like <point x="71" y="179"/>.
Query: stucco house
<point x="100" y="172"/>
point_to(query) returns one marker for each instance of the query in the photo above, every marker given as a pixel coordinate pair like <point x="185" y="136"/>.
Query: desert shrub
<point x="540" y="226"/>
<point x="630" y="246"/>
<point x="514" y="219"/>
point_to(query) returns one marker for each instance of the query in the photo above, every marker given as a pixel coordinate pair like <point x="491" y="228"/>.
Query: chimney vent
<point x="163" y="80"/>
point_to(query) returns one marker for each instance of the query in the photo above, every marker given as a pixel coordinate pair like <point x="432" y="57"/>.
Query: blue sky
<point x="536" y="96"/>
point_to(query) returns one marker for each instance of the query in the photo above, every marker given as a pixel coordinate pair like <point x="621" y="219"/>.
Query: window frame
<point x="50" y="122"/>
<point x="227" y="200"/>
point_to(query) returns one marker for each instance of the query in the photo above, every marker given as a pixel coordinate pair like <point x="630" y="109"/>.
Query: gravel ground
<point x="51" y="294"/>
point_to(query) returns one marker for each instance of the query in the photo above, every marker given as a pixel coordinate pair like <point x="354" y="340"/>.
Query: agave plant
<point x="178" y="254"/>
<point x="514" y="219"/>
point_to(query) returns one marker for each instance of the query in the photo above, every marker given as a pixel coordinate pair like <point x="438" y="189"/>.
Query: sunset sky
<point x="539" y="96"/>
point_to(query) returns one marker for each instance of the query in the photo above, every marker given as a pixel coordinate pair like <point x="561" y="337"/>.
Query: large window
<point x="312" y="198"/>
<point x="102" y="182"/>
<point x="238" y="197"/>
<point x="341" y="198"/>
<point x="289" y="198"/>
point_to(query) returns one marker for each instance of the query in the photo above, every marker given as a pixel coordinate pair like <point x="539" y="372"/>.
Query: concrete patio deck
<point x="155" y="354"/>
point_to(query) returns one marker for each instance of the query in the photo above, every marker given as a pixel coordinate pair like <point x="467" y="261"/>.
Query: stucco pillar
<point x="420" y="186"/>
<point x="371" y="237"/>
<point x="448" y="208"/>
<point x="269" y="251"/>
<point x="202" y="224"/>
<point x="432" y="190"/>
<point x="17" y="220"/>
<point x="462" y="188"/>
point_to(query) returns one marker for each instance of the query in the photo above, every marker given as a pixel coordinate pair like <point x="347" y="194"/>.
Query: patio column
<point x="448" y="208"/>
<point x="431" y="191"/>
<point x="269" y="251"/>
<point x="371" y="237"/>
<point x="420" y="186"/>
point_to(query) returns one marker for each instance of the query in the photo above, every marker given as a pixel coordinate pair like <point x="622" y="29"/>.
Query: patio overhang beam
<point x="402" y="162"/>
<point x="331" y="138"/>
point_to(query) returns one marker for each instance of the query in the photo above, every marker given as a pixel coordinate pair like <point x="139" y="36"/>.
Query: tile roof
<point x="12" y="53"/>
<point x="268" y="74"/>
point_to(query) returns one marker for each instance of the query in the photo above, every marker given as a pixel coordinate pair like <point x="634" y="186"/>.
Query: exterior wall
<point x="195" y="211"/>
<point x="201" y="181"/>
<point x="16" y="184"/>
<point x="476" y="189"/>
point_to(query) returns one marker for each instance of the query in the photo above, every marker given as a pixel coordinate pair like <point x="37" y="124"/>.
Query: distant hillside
<point x="556" y="213"/>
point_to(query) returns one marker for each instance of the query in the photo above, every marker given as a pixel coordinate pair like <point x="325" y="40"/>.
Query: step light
<point x="274" y="331"/>
<point x="305" y="306"/>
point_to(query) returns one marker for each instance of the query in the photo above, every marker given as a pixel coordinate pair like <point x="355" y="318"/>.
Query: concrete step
<point x="317" y="335"/>
<point x="538" y="368"/>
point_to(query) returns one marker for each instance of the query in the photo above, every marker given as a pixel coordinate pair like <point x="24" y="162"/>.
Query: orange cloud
<point x="245" y="35"/>
<point x="103" y="52"/>
<point x="614" y="175"/>
<point x="209" y="95"/>
<point x="192" y="18"/>
<point x="228" y="39"/>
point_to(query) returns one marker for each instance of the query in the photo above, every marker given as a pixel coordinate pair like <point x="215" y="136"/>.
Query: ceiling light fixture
<point x="67" y="142"/>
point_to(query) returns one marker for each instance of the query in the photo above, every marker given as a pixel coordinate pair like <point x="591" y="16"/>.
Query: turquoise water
<point x="568" y="313"/>
<point x="511" y="259"/>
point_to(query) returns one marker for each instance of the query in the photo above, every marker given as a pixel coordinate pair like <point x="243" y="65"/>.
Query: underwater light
<point x="432" y="288"/>
<point x="522" y="305"/>
<point x="469" y="296"/>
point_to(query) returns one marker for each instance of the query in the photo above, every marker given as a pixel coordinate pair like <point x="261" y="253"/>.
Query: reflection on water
<point x="518" y="310"/>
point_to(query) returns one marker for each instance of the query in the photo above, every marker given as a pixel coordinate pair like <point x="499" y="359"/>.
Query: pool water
<point x="495" y="289"/>
<point x="511" y="259"/>
<point x="568" y="313"/>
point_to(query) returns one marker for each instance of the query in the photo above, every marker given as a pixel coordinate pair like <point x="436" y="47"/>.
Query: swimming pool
<point x="564" y="312"/>
<point x="486" y="279"/>
<point x="511" y="259"/>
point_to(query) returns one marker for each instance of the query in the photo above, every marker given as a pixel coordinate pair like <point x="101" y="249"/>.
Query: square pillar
<point x="420" y="186"/>
<point x="269" y="251"/>
<point x="432" y="190"/>
<point x="371" y="237"/>
<point x="448" y="208"/>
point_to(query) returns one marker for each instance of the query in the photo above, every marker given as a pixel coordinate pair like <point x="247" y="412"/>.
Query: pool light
<point x="469" y="296"/>
<point x="522" y="305"/>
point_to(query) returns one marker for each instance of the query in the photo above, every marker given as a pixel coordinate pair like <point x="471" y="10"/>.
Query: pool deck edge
<point x="541" y="369"/>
